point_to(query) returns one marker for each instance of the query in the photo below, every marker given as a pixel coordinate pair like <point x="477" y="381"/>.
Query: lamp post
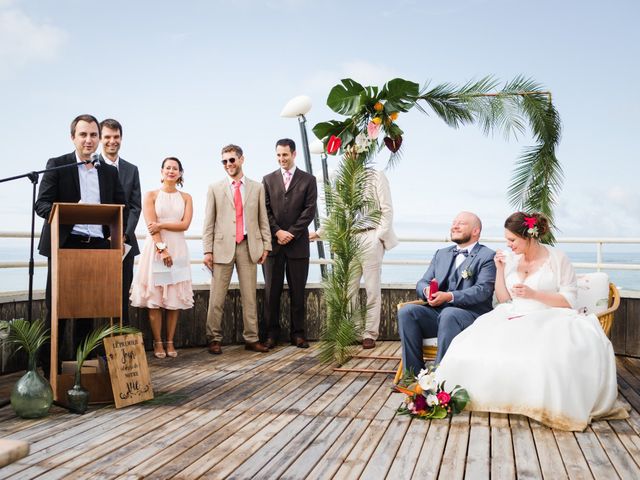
<point x="296" y="108"/>
<point x="317" y="147"/>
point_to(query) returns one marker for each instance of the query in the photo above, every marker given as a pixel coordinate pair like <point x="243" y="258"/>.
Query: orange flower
<point x="376" y="120"/>
<point x="394" y="116"/>
<point x="378" y="107"/>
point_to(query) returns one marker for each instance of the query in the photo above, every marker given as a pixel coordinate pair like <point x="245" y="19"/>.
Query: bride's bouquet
<point x="428" y="399"/>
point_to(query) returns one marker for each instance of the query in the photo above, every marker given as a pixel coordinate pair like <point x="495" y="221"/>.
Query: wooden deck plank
<point x="453" y="460"/>
<point x="596" y="457"/>
<point x="411" y="446"/>
<point x="572" y="457"/>
<point x="155" y="440"/>
<point x="615" y="450"/>
<point x="153" y="420"/>
<point x="282" y="388"/>
<point x="280" y="452"/>
<point x="359" y="455"/>
<point x="331" y="462"/>
<point x="479" y="452"/>
<point x="549" y="456"/>
<point x="284" y="415"/>
<point x="430" y="458"/>
<point x="524" y="448"/>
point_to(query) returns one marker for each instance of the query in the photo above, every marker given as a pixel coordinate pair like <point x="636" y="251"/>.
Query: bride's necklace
<point x="529" y="265"/>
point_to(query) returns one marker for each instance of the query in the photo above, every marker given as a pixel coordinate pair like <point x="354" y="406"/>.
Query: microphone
<point x="94" y="160"/>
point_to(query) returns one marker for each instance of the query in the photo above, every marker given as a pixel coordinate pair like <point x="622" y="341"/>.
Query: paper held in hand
<point x="178" y="272"/>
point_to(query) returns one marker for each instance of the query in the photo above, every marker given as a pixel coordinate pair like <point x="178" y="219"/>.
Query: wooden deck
<point x="245" y="415"/>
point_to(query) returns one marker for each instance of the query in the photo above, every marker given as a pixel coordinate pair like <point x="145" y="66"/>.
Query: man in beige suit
<point x="375" y="242"/>
<point x="236" y="232"/>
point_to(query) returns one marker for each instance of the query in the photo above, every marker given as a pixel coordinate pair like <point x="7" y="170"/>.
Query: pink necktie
<point x="237" y="201"/>
<point x="287" y="179"/>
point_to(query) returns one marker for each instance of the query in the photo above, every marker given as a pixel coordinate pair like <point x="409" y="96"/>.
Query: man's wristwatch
<point x="161" y="246"/>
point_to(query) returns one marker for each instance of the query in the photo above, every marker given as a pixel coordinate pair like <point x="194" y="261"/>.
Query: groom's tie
<point x="459" y="254"/>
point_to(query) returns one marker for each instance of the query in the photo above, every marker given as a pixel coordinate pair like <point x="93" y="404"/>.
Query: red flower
<point x="420" y="403"/>
<point x="530" y="222"/>
<point x="393" y="144"/>
<point x="443" y="398"/>
<point x="333" y="145"/>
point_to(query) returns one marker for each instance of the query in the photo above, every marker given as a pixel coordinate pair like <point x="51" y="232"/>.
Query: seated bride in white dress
<point x="534" y="354"/>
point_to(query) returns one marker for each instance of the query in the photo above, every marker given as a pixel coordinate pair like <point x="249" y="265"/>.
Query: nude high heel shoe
<point x="156" y="353"/>
<point x="173" y="354"/>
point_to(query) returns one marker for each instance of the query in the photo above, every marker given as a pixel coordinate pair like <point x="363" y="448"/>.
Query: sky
<point x="186" y="78"/>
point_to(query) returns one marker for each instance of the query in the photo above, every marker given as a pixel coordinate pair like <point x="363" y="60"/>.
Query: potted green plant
<point x="31" y="396"/>
<point x="78" y="396"/>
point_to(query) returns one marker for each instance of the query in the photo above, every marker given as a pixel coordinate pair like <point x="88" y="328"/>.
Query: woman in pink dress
<point x="163" y="278"/>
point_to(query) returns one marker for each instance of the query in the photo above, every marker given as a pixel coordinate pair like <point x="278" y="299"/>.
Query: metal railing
<point x="598" y="265"/>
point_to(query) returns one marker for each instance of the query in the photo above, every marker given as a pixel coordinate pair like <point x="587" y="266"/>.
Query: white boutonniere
<point x="466" y="274"/>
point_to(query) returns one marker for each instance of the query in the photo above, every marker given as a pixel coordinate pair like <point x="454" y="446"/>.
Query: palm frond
<point x="352" y="209"/>
<point x="28" y="336"/>
<point x="91" y="341"/>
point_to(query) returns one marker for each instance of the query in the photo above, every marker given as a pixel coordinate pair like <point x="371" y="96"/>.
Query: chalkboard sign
<point x="130" y="379"/>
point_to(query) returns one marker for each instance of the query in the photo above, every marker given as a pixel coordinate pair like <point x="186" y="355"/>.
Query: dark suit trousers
<point x="80" y="327"/>
<point x="297" y="271"/>
<point x="127" y="278"/>
<point x="416" y="322"/>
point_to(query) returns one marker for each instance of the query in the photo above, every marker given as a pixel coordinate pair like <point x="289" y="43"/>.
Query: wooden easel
<point x="85" y="283"/>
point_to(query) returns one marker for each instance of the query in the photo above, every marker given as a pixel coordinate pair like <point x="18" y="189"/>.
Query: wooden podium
<point x="85" y="283"/>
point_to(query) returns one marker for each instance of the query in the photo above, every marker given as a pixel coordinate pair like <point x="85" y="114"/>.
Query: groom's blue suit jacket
<point x="474" y="293"/>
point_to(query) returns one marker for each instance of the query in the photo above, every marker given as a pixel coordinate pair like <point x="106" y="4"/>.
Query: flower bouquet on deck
<point x="427" y="399"/>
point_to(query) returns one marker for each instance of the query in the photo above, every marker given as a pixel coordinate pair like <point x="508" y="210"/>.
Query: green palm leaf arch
<point x="521" y="104"/>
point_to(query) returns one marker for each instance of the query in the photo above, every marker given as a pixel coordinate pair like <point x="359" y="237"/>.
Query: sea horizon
<point x="17" y="250"/>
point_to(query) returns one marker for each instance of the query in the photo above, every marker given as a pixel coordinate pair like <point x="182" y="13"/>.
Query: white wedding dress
<point x="550" y="364"/>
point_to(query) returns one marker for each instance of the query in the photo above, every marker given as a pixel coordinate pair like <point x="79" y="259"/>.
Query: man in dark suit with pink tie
<point x="291" y="196"/>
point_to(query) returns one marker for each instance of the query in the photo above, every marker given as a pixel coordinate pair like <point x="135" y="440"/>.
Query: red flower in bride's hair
<point x="333" y="145"/>
<point x="530" y="222"/>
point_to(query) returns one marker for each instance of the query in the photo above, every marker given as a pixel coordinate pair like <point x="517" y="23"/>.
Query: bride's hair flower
<point x="531" y="224"/>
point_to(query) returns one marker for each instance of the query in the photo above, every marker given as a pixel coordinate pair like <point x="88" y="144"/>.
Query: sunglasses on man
<point x="229" y="160"/>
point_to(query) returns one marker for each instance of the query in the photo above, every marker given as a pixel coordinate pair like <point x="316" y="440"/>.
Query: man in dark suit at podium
<point x="91" y="182"/>
<point x="111" y="138"/>
<point x="291" y="196"/>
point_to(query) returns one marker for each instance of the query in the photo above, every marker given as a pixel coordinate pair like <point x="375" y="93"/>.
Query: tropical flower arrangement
<point x="427" y="399"/>
<point x="369" y="126"/>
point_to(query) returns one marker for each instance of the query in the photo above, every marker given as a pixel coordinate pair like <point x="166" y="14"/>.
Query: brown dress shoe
<point x="215" y="348"/>
<point x="255" y="347"/>
<point x="368" y="343"/>
<point x="300" y="342"/>
<point x="271" y="343"/>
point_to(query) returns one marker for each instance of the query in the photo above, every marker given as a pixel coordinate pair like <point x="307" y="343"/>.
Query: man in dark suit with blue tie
<point x="111" y="131"/>
<point x="466" y="276"/>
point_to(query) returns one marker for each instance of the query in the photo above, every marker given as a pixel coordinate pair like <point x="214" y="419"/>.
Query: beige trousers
<point x="371" y="271"/>
<point x="247" y="272"/>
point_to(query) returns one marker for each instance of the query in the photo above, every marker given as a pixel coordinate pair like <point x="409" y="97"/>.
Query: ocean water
<point x="17" y="250"/>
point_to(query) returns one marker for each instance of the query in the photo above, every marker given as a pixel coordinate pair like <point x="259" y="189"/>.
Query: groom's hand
<point x="440" y="298"/>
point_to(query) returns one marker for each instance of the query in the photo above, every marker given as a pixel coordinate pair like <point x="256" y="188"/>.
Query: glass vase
<point x="31" y="396"/>
<point x="78" y="396"/>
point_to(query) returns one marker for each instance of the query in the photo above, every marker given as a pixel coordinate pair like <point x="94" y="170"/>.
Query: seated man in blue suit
<point x="466" y="275"/>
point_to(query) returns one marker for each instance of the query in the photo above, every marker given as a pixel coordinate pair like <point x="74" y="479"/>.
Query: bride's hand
<point x="500" y="258"/>
<point x="520" y="290"/>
